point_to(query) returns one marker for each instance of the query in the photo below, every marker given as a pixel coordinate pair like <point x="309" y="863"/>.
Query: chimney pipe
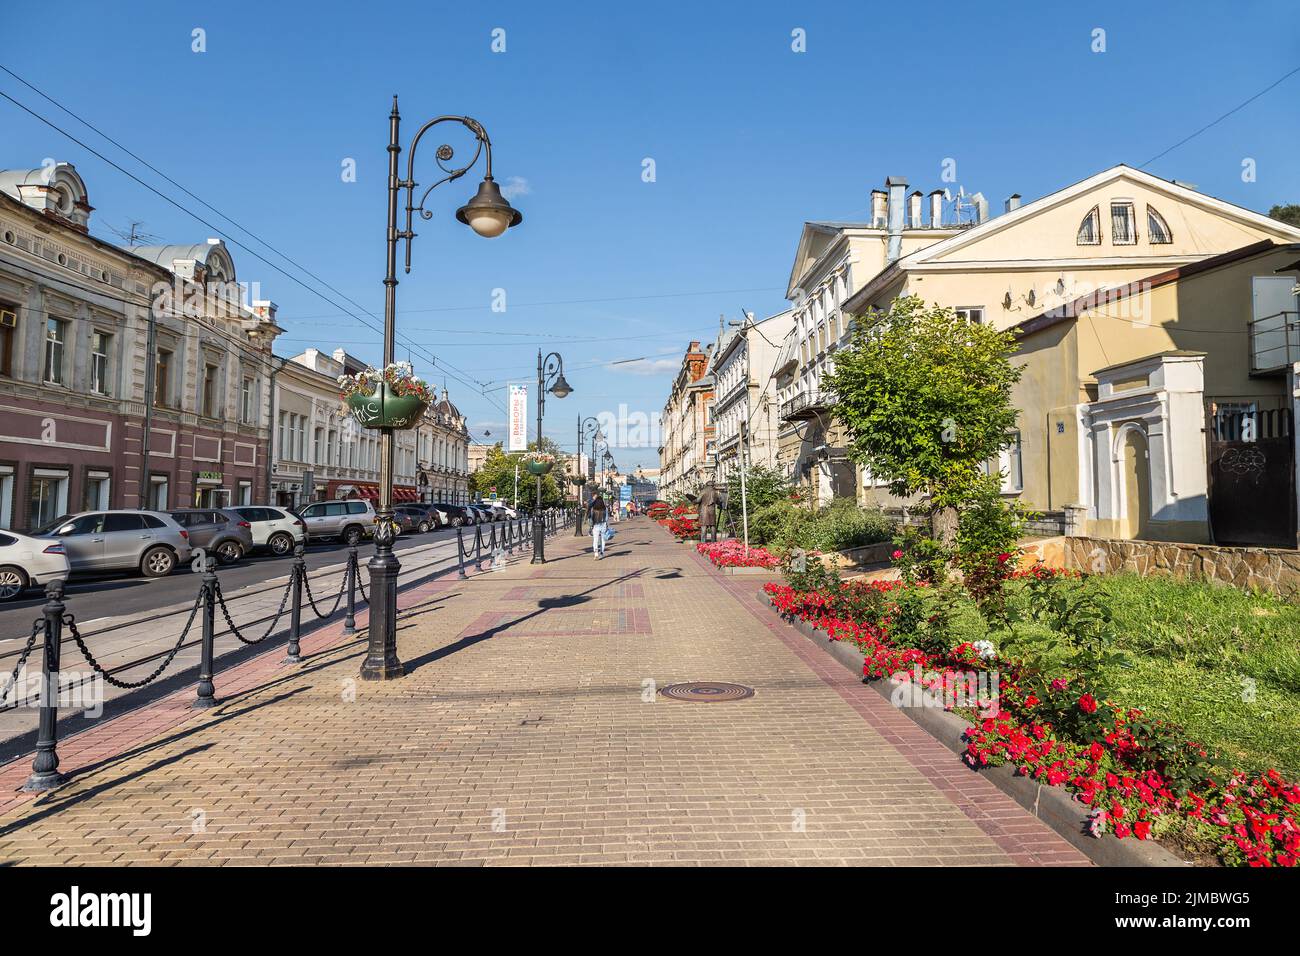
<point x="1013" y="202"/>
<point x="936" y="208"/>
<point x="914" y="210"/>
<point x="879" y="204"/>
<point x="981" y="207"/>
<point x="897" y="187"/>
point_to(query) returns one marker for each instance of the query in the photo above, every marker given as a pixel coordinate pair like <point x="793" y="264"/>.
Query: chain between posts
<point x="70" y="622"/>
<point x="37" y="625"/>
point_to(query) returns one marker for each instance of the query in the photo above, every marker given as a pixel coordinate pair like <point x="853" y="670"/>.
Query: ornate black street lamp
<point x="550" y="378"/>
<point x="488" y="214"/>
<point x="588" y="426"/>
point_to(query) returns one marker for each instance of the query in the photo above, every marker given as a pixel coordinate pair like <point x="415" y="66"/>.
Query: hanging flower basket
<point x="539" y="466"/>
<point x="394" y="398"/>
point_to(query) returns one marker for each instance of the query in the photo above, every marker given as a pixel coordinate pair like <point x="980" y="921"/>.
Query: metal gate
<point x="1252" y="476"/>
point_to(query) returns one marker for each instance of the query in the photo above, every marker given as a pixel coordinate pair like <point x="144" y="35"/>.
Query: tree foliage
<point x="498" y="473"/>
<point x="1289" y="214"/>
<point x="925" y="396"/>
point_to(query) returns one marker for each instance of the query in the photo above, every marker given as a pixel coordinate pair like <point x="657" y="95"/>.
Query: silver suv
<point x="223" y="533"/>
<point x="147" y="541"/>
<point x="349" y="521"/>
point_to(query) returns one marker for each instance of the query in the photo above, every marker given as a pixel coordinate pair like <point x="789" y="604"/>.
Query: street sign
<point x="518" y="424"/>
<point x="625" y="493"/>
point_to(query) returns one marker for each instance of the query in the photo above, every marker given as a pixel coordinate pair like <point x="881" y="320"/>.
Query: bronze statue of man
<point x="709" y="504"/>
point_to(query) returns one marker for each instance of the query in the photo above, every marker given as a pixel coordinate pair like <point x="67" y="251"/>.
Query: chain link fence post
<point x="460" y="552"/>
<point x="45" y="765"/>
<point x="350" y="619"/>
<point x="294" y="655"/>
<point x="207" y="689"/>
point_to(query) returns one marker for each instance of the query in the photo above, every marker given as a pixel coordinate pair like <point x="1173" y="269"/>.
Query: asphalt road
<point x="111" y="595"/>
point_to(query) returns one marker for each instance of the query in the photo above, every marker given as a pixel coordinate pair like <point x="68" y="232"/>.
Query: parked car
<point x="349" y="521"/>
<point x="424" y="518"/>
<point x="484" y="513"/>
<point x="29" y="562"/>
<point x="275" y="529"/>
<point x="457" y="515"/>
<point x="503" y="512"/>
<point x="223" y="533"/>
<point x="148" y="541"/>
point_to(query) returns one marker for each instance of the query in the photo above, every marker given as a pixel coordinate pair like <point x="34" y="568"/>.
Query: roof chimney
<point x="879" y="206"/>
<point x="914" y="210"/>
<point x="981" y="207"/>
<point x="897" y="187"/>
<point x="1013" y="202"/>
<point x="936" y="208"/>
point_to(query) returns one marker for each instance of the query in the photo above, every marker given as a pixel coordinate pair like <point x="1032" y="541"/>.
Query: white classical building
<point x="745" y="408"/>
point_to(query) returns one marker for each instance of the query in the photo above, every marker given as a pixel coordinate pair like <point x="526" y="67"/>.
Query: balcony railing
<point x="1274" y="341"/>
<point x="804" y="405"/>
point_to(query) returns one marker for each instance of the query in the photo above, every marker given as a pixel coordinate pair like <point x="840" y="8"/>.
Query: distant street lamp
<point x="550" y="378"/>
<point x="488" y="214"/>
<point x="587" y="426"/>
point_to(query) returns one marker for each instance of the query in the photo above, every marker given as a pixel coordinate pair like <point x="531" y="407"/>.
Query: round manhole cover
<point x="706" y="691"/>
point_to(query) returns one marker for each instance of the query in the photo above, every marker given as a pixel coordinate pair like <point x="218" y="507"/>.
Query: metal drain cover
<point x="706" y="691"/>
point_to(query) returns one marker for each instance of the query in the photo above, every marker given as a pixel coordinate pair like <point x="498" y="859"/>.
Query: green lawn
<point x="1197" y="652"/>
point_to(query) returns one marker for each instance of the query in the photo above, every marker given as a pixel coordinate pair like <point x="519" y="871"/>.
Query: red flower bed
<point x="734" y="554"/>
<point x="1130" y="770"/>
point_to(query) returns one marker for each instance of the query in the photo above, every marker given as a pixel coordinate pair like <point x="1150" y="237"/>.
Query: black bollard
<point x="45" y="766"/>
<point x="460" y="552"/>
<point x="207" y="689"/>
<point x="350" y="619"/>
<point x="294" y="655"/>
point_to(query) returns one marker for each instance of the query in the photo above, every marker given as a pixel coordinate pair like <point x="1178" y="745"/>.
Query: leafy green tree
<point x="1289" y="214"/>
<point x="763" y="486"/>
<point x="498" y="473"/>
<point x="925" y="396"/>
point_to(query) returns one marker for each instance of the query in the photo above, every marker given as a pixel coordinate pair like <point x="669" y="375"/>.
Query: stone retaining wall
<point x="1272" y="570"/>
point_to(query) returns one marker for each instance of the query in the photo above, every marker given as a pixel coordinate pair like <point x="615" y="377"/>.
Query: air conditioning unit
<point x="8" y="318"/>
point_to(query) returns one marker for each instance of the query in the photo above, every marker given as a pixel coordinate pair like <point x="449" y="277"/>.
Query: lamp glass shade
<point x="488" y="213"/>
<point x="561" y="388"/>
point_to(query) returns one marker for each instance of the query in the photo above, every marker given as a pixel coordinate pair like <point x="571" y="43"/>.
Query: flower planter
<point x="539" y="468"/>
<point x="384" y="409"/>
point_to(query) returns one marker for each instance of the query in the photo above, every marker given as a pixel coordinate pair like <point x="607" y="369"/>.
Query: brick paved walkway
<point x="527" y="731"/>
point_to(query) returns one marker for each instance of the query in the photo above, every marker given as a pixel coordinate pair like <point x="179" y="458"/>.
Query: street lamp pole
<point x="550" y="377"/>
<point x="592" y="427"/>
<point x="489" y="215"/>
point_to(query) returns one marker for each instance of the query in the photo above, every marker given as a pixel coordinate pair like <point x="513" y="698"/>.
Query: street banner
<point x="518" y="428"/>
<point x="625" y="492"/>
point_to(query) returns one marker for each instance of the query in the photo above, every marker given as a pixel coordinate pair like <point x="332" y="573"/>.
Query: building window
<point x="96" y="495"/>
<point x="162" y="379"/>
<point x="8" y="328"/>
<point x="1123" y="226"/>
<point x="971" y="313"/>
<point x="283" y="433"/>
<point x="210" y="377"/>
<point x="1090" y="228"/>
<point x="1157" y="229"/>
<point x="158" y="492"/>
<point x="99" y="346"/>
<point x="47" y="498"/>
<point x="56" y="331"/>
<point x="247" y="413"/>
<point x="6" y="496"/>
<point x="1009" y="460"/>
<point x="318" y="446"/>
<point x="245" y="492"/>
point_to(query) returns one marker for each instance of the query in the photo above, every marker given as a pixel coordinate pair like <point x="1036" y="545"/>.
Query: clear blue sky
<point x="749" y="140"/>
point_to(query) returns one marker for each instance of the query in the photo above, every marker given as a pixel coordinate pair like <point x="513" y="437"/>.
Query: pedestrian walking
<point x="598" y="515"/>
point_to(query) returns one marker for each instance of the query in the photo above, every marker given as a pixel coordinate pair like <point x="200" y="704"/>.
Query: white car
<point x="503" y="511"/>
<point x="29" y="562"/>
<point x="275" y="529"/>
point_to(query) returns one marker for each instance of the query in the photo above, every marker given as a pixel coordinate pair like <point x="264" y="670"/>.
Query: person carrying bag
<point x="598" y="515"/>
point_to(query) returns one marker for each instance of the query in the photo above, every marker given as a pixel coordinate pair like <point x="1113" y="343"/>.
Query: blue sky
<point x="748" y="137"/>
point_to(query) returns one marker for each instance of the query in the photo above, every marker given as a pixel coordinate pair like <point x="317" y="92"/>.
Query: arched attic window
<point x="1157" y="228"/>
<point x="1090" y="228"/>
